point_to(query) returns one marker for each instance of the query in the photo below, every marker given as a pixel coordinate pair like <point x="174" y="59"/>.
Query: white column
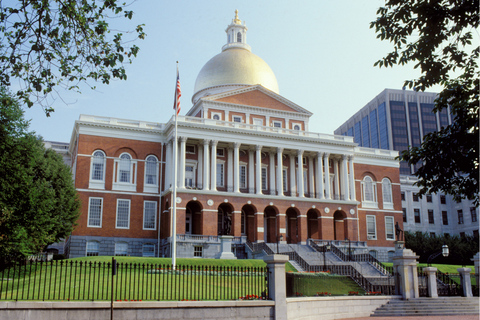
<point x="168" y="165"/>
<point x="293" y="181"/>
<point x="319" y="177"/>
<point x="326" y="167"/>
<point x="206" y="164"/>
<point x="272" y="172"/>
<point x="251" y="172"/>
<point x="229" y="177"/>
<point x="301" y="192"/>
<point x="311" y="176"/>
<point x="181" y="165"/>
<point x="336" y="181"/>
<point x="236" y="167"/>
<point x="258" y="169"/>
<point x="345" y="178"/>
<point x="280" y="171"/>
<point x="200" y="168"/>
<point x="352" y="179"/>
<point x="213" y="169"/>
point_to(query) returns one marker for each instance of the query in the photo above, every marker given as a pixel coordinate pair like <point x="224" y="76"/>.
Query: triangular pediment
<point x="257" y="96"/>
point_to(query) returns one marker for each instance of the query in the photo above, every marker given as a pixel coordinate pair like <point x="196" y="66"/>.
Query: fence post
<point x="405" y="269"/>
<point x="277" y="290"/>
<point x="465" y="281"/>
<point x="431" y="281"/>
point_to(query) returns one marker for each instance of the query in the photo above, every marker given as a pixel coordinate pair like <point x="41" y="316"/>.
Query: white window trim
<point x="257" y="120"/>
<point x="154" y="216"/>
<point x="194" y="173"/>
<point x="264" y="182"/>
<point x="393" y="228"/>
<point x="143" y="249"/>
<point x="237" y="117"/>
<point x="194" y="149"/>
<point x="387" y="204"/>
<point x="243" y="164"/>
<point x="97" y="184"/>
<point x="285" y="178"/>
<point x="129" y="213"/>
<point x="120" y="242"/>
<point x="213" y="114"/>
<point x="370" y="237"/>
<point x="86" y="247"/>
<point x="125" y="186"/>
<point x="368" y="203"/>
<point x="223" y="174"/>
<point x="150" y="188"/>
<point x="276" y="122"/>
<point x="221" y="152"/>
<point x="101" y="212"/>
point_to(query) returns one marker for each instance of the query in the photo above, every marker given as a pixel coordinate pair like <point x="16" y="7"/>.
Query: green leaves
<point x="71" y="39"/>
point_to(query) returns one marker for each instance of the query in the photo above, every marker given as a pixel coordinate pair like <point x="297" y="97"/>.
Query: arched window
<point x="125" y="168"/>
<point x="216" y="117"/>
<point x="239" y="37"/>
<point x="98" y="166"/>
<point x="387" y="193"/>
<point x="369" y="196"/>
<point x="92" y="248"/>
<point x="151" y="169"/>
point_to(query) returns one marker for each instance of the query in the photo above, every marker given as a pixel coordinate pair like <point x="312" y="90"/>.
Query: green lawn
<point x="445" y="268"/>
<point x="316" y="284"/>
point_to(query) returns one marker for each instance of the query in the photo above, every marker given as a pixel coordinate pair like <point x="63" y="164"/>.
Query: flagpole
<point x="174" y="209"/>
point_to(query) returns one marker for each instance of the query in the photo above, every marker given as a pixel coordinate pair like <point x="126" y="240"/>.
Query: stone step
<point x="429" y="307"/>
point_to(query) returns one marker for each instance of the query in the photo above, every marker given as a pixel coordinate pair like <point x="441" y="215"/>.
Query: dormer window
<point x="239" y="37"/>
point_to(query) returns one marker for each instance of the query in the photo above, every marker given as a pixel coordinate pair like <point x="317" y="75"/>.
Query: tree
<point x="437" y="37"/>
<point x="38" y="202"/>
<point x="47" y="45"/>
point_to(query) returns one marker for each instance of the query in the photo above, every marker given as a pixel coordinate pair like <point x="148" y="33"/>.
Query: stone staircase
<point x="442" y="306"/>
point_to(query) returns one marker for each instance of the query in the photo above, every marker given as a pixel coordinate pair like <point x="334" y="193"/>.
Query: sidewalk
<point x="418" y="318"/>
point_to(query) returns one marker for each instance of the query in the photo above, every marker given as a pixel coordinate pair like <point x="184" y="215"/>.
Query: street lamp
<point x="444" y="252"/>
<point x="325" y="249"/>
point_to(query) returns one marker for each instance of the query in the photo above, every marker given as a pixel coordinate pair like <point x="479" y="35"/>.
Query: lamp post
<point x="444" y="252"/>
<point x="325" y="249"/>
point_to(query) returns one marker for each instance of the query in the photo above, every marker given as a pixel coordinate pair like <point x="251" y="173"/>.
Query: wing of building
<point x="248" y="167"/>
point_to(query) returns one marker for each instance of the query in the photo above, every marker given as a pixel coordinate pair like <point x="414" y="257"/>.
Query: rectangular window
<point x="403" y="196"/>
<point x="432" y="234"/>
<point x="460" y="216"/>
<point x="445" y="218"/>
<point x="431" y="218"/>
<point x="277" y="124"/>
<point x="415" y="197"/>
<point x="237" y="119"/>
<point x="429" y="198"/>
<point x="92" y="248"/>
<point x="404" y="214"/>
<point x="149" y="215"/>
<point x="189" y="176"/>
<point x="121" y="249"/>
<point x="95" y="207"/>
<point x="190" y="148"/>
<point x="264" y="178"/>
<point x="371" y="228"/>
<point x="389" y="228"/>
<point x="473" y="213"/>
<point x="198" y="251"/>
<point x="148" y="250"/>
<point x="443" y="199"/>
<point x="243" y="176"/>
<point x="285" y="180"/>
<point x="123" y="214"/>
<point x="220" y="152"/>
<point x="416" y="213"/>
<point x="220" y="175"/>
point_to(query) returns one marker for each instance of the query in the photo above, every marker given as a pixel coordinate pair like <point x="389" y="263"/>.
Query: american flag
<point x="178" y="94"/>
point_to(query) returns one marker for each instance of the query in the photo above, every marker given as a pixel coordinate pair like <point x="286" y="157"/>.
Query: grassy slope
<point x="445" y="268"/>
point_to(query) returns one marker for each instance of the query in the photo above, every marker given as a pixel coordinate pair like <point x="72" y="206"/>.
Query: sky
<point x="322" y="53"/>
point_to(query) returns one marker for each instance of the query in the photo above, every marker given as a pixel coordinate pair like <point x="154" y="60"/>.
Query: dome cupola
<point x="235" y="67"/>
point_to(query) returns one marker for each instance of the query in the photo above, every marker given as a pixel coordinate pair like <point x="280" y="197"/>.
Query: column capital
<point x="279" y="150"/>
<point x="206" y="142"/>
<point x="258" y="147"/>
<point x="214" y="143"/>
<point x="237" y="145"/>
<point x="326" y="155"/>
<point x="183" y="139"/>
<point x="320" y="154"/>
<point x="300" y="152"/>
<point x="344" y="157"/>
<point x="350" y="158"/>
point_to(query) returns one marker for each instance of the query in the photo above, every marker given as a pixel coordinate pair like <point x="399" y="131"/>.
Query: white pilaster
<point x="337" y="180"/>
<point x="236" y="167"/>
<point x="293" y="181"/>
<point x="213" y="170"/>
<point x="229" y="177"/>
<point x="272" y="172"/>
<point x="345" y="188"/>
<point x="326" y="166"/>
<point x="181" y="166"/>
<point x="200" y="167"/>
<point x="251" y="172"/>
<point x="301" y="192"/>
<point x="280" y="171"/>
<point x="168" y="165"/>
<point x="258" y="169"/>
<point x="206" y="165"/>
<point x="311" y="176"/>
<point x="319" y="177"/>
<point x="352" y="179"/>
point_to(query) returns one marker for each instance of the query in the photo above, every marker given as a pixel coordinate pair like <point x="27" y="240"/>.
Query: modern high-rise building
<point x="394" y="120"/>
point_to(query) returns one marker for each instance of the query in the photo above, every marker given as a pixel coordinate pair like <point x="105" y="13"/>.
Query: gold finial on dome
<point x="236" y="20"/>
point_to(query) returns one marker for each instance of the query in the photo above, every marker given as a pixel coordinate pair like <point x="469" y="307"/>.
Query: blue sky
<point x="322" y="53"/>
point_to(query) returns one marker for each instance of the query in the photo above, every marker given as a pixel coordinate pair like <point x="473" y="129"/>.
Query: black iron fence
<point x="93" y="281"/>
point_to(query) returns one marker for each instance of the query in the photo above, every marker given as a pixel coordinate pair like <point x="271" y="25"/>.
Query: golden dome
<point x="235" y="67"/>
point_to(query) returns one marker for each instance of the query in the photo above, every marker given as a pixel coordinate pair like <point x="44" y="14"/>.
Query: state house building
<point x="246" y="159"/>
